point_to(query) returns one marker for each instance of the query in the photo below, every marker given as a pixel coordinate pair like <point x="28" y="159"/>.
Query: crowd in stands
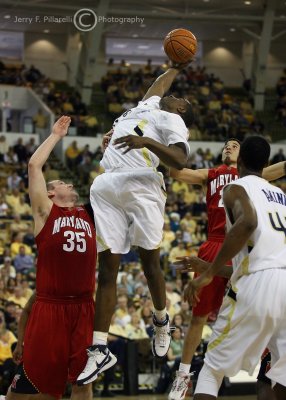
<point x="69" y="102"/>
<point x="281" y="103"/>
<point x="84" y="162"/>
<point x="218" y="115"/>
<point x="19" y="75"/>
<point x="60" y="101"/>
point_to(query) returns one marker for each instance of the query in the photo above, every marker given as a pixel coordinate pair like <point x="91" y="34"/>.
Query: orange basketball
<point x="180" y="45"/>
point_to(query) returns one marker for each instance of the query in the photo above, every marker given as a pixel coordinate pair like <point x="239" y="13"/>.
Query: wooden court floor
<point x="161" y="397"/>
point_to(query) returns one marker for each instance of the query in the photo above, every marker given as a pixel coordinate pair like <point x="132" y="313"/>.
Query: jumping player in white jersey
<point x="129" y="200"/>
<point x="252" y="316"/>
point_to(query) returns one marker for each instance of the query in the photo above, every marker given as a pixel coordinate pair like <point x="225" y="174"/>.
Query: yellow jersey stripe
<point x="226" y="330"/>
<point x="102" y="242"/>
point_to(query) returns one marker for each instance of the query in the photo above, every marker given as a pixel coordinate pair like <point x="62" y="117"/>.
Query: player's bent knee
<point x="209" y="381"/>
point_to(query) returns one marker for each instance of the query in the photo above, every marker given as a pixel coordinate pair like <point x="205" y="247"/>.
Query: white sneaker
<point x="99" y="359"/>
<point x="161" y="337"/>
<point x="180" y="386"/>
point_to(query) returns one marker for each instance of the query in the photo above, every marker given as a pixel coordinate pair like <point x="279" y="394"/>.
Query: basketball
<point x="180" y="45"/>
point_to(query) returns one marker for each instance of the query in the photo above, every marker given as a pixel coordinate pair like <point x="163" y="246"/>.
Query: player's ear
<point x="50" y="194"/>
<point x="181" y="109"/>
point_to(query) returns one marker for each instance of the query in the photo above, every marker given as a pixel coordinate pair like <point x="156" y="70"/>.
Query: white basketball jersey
<point x="266" y="247"/>
<point x="146" y="119"/>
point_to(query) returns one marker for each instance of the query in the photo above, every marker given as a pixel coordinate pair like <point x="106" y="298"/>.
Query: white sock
<point x="100" y="338"/>
<point x="160" y="315"/>
<point x="184" y="368"/>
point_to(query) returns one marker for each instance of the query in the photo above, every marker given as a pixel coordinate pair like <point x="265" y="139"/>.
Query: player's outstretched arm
<point x="190" y="176"/>
<point x="163" y="83"/>
<point x="196" y="264"/>
<point x="274" y="171"/>
<point x="18" y="352"/>
<point x="41" y="204"/>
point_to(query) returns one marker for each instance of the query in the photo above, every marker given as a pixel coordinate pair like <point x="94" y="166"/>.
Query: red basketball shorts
<point x="55" y="343"/>
<point x="210" y="296"/>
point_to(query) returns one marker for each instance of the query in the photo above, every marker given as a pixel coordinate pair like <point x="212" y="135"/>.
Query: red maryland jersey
<point x="67" y="254"/>
<point x="217" y="179"/>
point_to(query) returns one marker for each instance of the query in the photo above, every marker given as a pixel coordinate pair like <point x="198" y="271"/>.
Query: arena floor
<point x="161" y="397"/>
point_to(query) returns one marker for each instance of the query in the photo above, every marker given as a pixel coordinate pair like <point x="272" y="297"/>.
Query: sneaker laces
<point x="162" y="333"/>
<point x="181" y="382"/>
<point x="91" y="354"/>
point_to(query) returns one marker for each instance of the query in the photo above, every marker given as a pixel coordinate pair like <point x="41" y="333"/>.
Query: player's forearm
<point x="42" y="153"/>
<point x="24" y="317"/>
<point x="171" y="156"/>
<point x="181" y="175"/>
<point x="274" y="171"/>
<point x="235" y="240"/>
<point x="225" y="272"/>
<point x="166" y="79"/>
<point x="190" y="176"/>
<point x="22" y="325"/>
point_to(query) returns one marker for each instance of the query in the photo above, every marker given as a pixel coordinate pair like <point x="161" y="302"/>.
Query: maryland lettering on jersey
<point x="275" y="197"/>
<point x="221" y="181"/>
<point x="77" y="223"/>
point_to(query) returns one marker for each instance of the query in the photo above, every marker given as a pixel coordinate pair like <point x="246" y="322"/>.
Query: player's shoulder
<point x="173" y="122"/>
<point x="223" y="169"/>
<point x="151" y="102"/>
<point x="215" y="171"/>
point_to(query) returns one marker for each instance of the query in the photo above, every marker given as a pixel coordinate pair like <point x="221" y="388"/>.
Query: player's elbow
<point x="249" y="225"/>
<point x="32" y="165"/>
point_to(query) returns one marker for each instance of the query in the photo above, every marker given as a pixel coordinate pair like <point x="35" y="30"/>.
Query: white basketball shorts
<point x="128" y="208"/>
<point x="249" y="324"/>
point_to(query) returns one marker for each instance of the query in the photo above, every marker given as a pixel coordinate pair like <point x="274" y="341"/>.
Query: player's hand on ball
<point x="131" y="142"/>
<point x="61" y="127"/>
